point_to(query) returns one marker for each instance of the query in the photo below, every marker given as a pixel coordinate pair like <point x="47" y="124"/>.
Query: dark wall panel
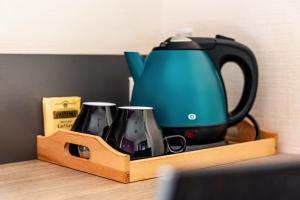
<point x="25" y="79"/>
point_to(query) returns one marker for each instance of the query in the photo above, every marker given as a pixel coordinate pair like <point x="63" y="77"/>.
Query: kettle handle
<point x="228" y="50"/>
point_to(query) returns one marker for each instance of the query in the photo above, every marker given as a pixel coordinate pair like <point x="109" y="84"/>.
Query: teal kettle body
<point x="181" y="80"/>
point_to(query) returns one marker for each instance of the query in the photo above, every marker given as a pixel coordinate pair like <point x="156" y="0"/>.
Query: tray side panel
<point x="148" y="168"/>
<point x="104" y="160"/>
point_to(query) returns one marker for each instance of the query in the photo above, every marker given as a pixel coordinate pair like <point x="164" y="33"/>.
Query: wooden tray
<point x="109" y="163"/>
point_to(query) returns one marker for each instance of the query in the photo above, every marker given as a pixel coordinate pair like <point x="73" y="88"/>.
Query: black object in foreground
<point x="275" y="181"/>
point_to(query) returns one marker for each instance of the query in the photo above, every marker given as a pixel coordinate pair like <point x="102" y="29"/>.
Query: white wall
<point x="271" y="28"/>
<point x="78" y="26"/>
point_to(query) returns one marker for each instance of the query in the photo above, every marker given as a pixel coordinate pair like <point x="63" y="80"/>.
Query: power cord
<point x="256" y="126"/>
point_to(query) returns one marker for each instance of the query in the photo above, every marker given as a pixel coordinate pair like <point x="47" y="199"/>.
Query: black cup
<point x="135" y="132"/>
<point x="94" y="118"/>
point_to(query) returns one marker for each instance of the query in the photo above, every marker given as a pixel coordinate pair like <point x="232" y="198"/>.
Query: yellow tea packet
<point x="60" y="113"/>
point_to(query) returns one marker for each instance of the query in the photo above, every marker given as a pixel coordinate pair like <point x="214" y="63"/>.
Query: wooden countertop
<point x="41" y="180"/>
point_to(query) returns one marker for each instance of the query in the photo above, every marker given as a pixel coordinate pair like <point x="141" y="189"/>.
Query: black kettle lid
<point x="180" y="41"/>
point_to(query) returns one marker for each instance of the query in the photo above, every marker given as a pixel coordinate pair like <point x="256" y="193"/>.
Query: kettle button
<point x="192" y="116"/>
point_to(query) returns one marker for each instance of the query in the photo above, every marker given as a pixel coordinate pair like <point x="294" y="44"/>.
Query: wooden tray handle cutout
<point x="103" y="158"/>
<point x="79" y="151"/>
<point x="245" y="132"/>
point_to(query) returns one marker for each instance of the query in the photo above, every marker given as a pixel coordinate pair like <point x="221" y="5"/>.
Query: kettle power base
<point x="205" y="146"/>
<point x="106" y="162"/>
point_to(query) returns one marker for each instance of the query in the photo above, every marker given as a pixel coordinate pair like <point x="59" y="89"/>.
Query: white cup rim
<point x="98" y="104"/>
<point x="135" y="108"/>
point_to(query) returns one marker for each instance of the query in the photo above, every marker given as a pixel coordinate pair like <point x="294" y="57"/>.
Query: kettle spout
<point x="135" y="63"/>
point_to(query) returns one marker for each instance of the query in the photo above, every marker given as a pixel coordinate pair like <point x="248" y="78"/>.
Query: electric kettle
<point x="181" y="80"/>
